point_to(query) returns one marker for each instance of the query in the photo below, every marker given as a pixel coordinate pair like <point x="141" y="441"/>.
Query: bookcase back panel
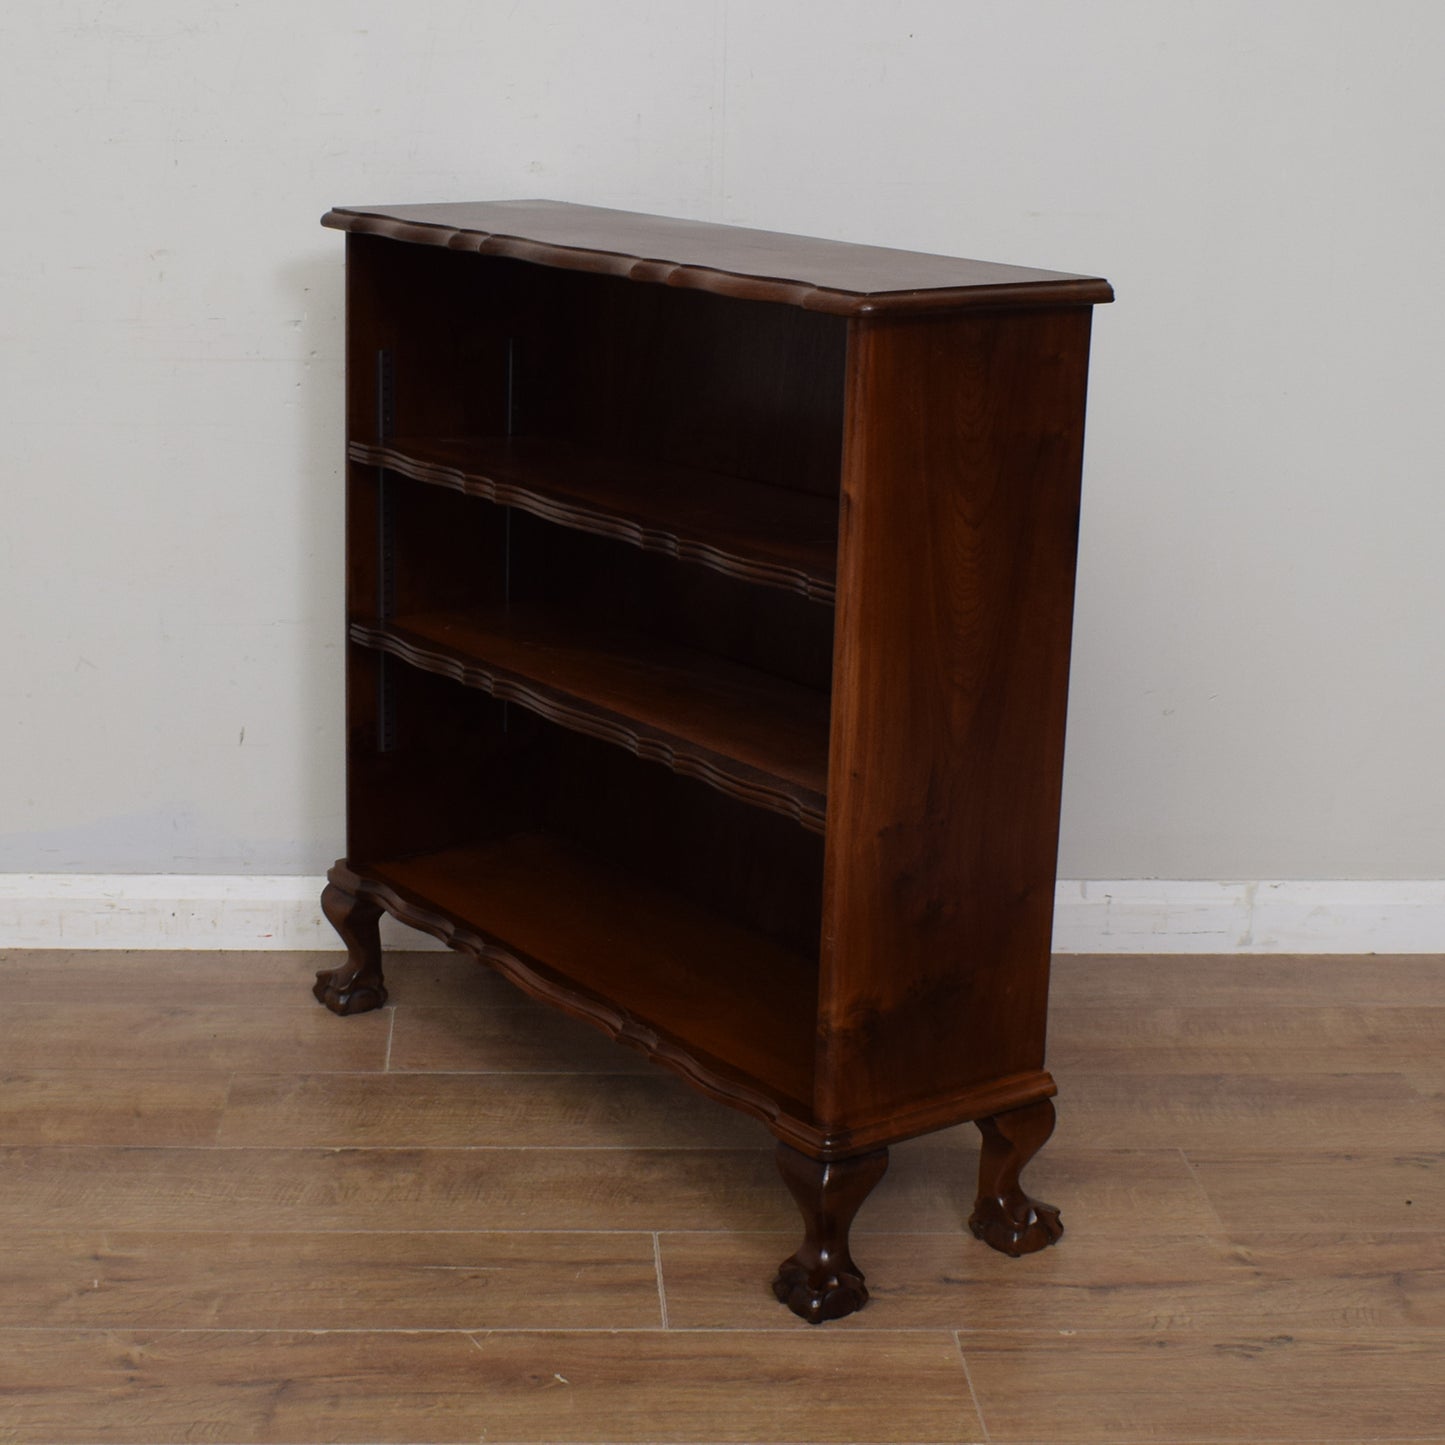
<point x="746" y="388"/>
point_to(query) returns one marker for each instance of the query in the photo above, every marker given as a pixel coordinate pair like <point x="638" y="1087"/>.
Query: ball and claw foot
<point x="342" y="992"/>
<point x="822" y="1292"/>
<point x="820" y="1281"/>
<point x="356" y="986"/>
<point x="1004" y="1217"/>
<point x="1034" y="1227"/>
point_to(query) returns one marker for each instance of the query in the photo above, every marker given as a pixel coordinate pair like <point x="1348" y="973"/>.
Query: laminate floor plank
<point x="543" y="1188"/>
<point x="188" y="1038"/>
<point x="260" y="978"/>
<point x="1360" y="1281"/>
<point x="1096" y="1280"/>
<point x="1246" y="981"/>
<point x="117" y="1279"/>
<point x="1361" y="1190"/>
<point x="1232" y="1040"/>
<point x="85" y="1106"/>
<point x="1232" y="1385"/>
<point x="1220" y="1111"/>
<point x="224" y="1218"/>
<point x="75" y="977"/>
<point x="505" y="1040"/>
<point x="401" y="1110"/>
<point x="930" y="1188"/>
<point x="654" y="1386"/>
<point x="392" y="1189"/>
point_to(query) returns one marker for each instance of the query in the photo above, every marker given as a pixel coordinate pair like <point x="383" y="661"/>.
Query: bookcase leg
<point x="1004" y="1217"/>
<point x="356" y="986"/>
<point x="821" y="1282"/>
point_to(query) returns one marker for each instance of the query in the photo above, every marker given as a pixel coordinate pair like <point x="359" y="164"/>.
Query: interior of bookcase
<point x="593" y="530"/>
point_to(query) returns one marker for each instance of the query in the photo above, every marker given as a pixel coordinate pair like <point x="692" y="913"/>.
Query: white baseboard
<point x="150" y="911"/>
<point x="1145" y="915"/>
<point x="159" y="910"/>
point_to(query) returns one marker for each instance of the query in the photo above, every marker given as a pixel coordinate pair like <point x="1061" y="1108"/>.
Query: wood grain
<point x="744" y="529"/>
<point x="118" y="1387"/>
<point x="1355" y="1039"/>
<point x="185" y="1038"/>
<point x="84" y="1106"/>
<point x="754" y="737"/>
<point x="1266" y="980"/>
<point x="449" y="1111"/>
<point x="440" y="1039"/>
<point x="833" y="276"/>
<point x="955" y="585"/>
<point x="388" y="1189"/>
<point x="1363" y="1189"/>
<point x="1219" y="1112"/>
<point x="931" y="1185"/>
<point x="561" y="923"/>
<point x="270" y="978"/>
<point x="264" y="1281"/>
<point x="1262" y="1283"/>
<point x="1110" y="1280"/>
<point x="1236" y="1385"/>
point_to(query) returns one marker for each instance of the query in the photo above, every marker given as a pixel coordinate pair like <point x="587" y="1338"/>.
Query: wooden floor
<point x="228" y="1216"/>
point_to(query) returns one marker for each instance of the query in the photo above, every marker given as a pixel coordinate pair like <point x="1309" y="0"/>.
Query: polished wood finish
<point x="741" y="1026"/>
<point x="819" y="1281"/>
<point x="1004" y="1217"/>
<point x="793" y="519"/>
<point x="833" y="276"/>
<point x="172" y="1266"/>
<point x="759" y="533"/>
<point x="357" y="985"/>
<point x="752" y="735"/>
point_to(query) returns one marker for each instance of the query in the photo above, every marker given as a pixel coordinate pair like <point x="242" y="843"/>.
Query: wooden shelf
<point x="745" y="529"/>
<point x="716" y="1001"/>
<point x="756" y="737"/>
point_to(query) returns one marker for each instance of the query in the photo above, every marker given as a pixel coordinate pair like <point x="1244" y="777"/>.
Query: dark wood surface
<point x="819" y="1280"/>
<point x="835" y="276"/>
<point x="719" y="1003"/>
<point x="816" y="558"/>
<point x="1004" y="1217"/>
<point x="748" y="530"/>
<point x="756" y="737"/>
<point x="960" y="516"/>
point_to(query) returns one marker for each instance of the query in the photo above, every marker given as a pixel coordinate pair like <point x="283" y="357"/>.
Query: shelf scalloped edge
<point x="1060" y="290"/>
<point x="581" y="518"/>
<point x="606" y="728"/>
<point x="615" y="1021"/>
<point x="711" y="1078"/>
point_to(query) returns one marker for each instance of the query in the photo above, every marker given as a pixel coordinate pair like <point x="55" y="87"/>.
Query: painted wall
<point x="1259" y="683"/>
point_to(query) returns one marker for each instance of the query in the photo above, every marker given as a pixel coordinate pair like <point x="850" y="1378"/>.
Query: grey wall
<point x="1258" y="681"/>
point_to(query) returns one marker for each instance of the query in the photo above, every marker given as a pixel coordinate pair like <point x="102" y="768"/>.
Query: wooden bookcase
<point x="709" y="597"/>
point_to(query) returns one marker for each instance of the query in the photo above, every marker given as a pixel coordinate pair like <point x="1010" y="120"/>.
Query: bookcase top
<point x="831" y="276"/>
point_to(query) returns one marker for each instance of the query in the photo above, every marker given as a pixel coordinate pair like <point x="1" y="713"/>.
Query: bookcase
<point x="708" y="599"/>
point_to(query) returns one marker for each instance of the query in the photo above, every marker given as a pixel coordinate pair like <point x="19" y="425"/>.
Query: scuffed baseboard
<point x="1145" y="915"/>
<point x="161" y="910"/>
<point x="149" y="911"/>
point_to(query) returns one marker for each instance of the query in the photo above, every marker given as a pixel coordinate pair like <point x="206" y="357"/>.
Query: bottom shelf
<point x="730" y="1009"/>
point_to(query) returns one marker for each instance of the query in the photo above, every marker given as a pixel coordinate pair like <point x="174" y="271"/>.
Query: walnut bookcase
<point x="709" y="596"/>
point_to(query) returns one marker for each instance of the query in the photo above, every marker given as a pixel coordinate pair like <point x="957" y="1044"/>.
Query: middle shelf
<point x="757" y="533"/>
<point x="760" y="738"/>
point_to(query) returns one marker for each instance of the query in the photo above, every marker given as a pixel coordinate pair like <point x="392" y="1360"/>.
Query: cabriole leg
<point x="356" y="986"/>
<point x="1004" y="1217"/>
<point x="821" y="1282"/>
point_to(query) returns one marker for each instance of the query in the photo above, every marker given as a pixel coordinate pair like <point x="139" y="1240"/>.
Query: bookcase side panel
<point x="964" y="444"/>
